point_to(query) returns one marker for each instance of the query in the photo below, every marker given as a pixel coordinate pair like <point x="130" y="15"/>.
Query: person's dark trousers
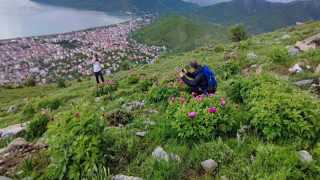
<point x="195" y="90"/>
<point x="97" y="74"/>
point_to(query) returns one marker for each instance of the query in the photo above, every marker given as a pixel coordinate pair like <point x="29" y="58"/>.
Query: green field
<point x="89" y="147"/>
<point x="180" y="34"/>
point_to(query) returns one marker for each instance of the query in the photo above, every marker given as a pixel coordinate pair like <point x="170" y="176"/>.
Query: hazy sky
<point x="210" y="2"/>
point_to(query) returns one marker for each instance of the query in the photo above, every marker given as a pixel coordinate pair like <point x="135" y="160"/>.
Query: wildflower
<point x="173" y="99"/>
<point x="182" y="100"/>
<point x="102" y="114"/>
<point x="212" y="110"/>
<point x="211" y="95"/>
<point x="164" y="85"/>
<point x="237" y="106"/>
<point x="192" y="114"/>
<point x="43" y="113"/>
<point x="193" y="94"/>
<point x="51" y="118"/>
<point x="248" y="69"/>
<point x="182" y="93"/>
<point x="76" y="115"/>
<point x="167" y="77"/>
<point x="240" y="70"/>
<point x="77" y="103"/>
<point x="178" y="86"/>
<point x="202" y="96"/>
<point x="223" y="103"/>
<point x="92" y="89"/>
<point x="156" y="83"/>
<point x="197" y="98"/>
<point x="58" y="124"/>
<point x="171" y="83"/>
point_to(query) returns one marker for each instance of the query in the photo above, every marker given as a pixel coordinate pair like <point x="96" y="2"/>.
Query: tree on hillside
<point x="237" y="33"/>
<point x="31" y="81"/>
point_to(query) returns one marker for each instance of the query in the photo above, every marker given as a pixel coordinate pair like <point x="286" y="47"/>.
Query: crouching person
<point x="203" y="79"/>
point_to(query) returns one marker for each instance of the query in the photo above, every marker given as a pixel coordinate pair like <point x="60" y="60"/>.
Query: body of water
<point x="23" y="18"/>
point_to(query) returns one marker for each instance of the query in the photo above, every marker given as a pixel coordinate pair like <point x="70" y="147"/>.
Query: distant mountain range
<point x="124" y="6"/>
<point x="258" y="15"/>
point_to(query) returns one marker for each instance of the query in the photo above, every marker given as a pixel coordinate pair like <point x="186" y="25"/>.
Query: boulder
<point x="293" y="51"/>
<point x="253" y="66"/>
<point x="318" y="69"/>
<point x="305" y="156"/>
<point x="4" y="178"/>
<point x="299" y="23"/>
<point x="13" y="130"/>
<point x="153" y="111"/>
<point x="12" y="108"/>
<point x="286" y="36"/>
<point x="123" y="177"/>
<point x="17" y="144"/>
<point x="259" y="69"/>
<point x="159" y="153"/>
<point x="209" y="165"/>
<point x="141" y="134"/>
<point x="304" y="82"/>
<point x="6" y="155"/>
<point x="252" y="56"/>
<point x="312" y="41"/>
<point x="97" y="99"/>
<point x="315" y="87"/>
<point x="223" y="178"/>
<point x="136" y="105"/>
<point x="296" y="69"/>
<point x="175" y="157"/>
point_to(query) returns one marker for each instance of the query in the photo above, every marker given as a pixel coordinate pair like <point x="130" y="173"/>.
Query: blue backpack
<point x="212" y="83"/>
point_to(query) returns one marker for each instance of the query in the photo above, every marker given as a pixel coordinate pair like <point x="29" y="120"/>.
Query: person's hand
<point x="184" y="71"/>
<point x="181" y="74"/>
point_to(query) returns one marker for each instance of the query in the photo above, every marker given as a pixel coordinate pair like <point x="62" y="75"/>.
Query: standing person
<point x="97" y="68"/>
<point x="203" y="79"/>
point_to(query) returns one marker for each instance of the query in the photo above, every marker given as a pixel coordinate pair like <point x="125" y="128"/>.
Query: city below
<point x="69" y="55"/>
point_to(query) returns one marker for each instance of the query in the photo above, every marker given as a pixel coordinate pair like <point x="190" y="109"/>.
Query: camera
<point x="182" y="70"/>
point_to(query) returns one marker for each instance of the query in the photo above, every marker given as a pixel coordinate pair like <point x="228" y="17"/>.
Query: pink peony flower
<point x="171" y="83"/>
<point x="193" y="94"/>
<point x="197" y="98"/>
<point x="223" y="103"/>
<point x="240" y="70"/>
<point x="77" y="103"/>
<point x="43" y="113"/>
<point x="102" y="114"/>
<point x="182" y="100"/>
<point x="173" y="99"/>
<point x="167" y="77"/>
<point x="164" y="85"/>
<point x="76" y="115"/>
<point x="178" y="86"/>
<point x="211" y="95"/>
<point x="51" y="118"/>
<point x="248" y="69"/>
<point x="202" y="96"/>
<point x="237" y="106"/>
<point x="182" y="93"/>
<point x="192" y="114"/>
<point x="212" y="110"/>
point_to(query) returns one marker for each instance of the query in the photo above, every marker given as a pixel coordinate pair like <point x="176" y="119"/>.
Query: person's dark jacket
<point x="198" y="78"/>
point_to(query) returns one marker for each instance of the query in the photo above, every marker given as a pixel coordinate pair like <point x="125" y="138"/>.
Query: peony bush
<point x="202" y="116"/>
<point x="104" y="88"/>
<point x="229" y="66"/>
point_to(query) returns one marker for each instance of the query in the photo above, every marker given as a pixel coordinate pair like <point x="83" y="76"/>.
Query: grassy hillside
<point x="258" y="15"/>
<point x="179" y="33"/>
<point x="282" y="118"/>
<point x="123" y="6"/>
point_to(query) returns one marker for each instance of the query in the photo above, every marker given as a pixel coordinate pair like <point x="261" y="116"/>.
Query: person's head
<point x="96" y="56"/>
<point x="193" y="65"/>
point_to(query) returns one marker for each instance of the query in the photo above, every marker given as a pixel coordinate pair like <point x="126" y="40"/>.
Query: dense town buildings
<point x="68" y="54"/>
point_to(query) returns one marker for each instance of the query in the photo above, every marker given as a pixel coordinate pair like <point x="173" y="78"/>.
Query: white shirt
<point x="96" y="66"/>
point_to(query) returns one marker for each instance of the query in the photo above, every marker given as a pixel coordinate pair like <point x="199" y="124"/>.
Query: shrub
<point x="278" y="114"/>
<point x="104" y="88"/>
<point x="31" y="81"/>
<point x="162" y="90"/>
<point x="37" y="126"/>
<point x="61" y="83"/>
<point x="146" y="82"/>
<point x="133" y="78"/>
<point x="75" y="145"/>
<point x="218" y="49"/>
<point x="48" y="103"/>
<point x="228" y="67"/>
<point x="118" y="116"/>
<point x="244" y="44"/>
<point x="237" y="33"/>
<point x="28" y="111"/>
<point x="124" y="65"/>
<point x="278" y="55"/>
<point x="205" y="124"/>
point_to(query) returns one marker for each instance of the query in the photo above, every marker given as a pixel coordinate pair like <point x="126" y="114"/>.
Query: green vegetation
<point x="180" y="34"/>
<point x="258" y="16"/>
<point x="237" y="33"/>
<point x="85" y="139"/>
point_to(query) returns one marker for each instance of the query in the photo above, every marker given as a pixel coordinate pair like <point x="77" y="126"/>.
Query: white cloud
<point x="211" y="2"/>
